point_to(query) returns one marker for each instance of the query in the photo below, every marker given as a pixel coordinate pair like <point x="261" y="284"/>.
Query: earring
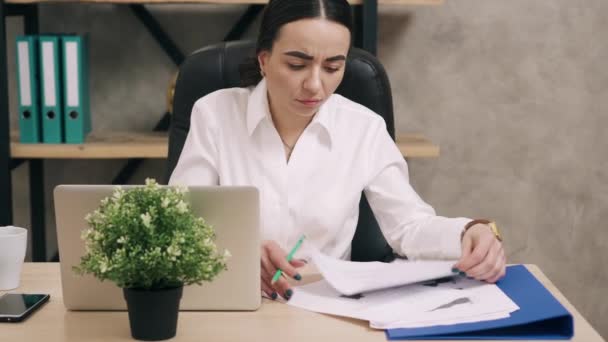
<point x="262" y="73"/>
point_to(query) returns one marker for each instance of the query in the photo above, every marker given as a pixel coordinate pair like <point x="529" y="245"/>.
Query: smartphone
<point x="15" y="307"/>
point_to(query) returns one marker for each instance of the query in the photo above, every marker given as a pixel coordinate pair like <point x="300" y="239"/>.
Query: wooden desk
<point x="274" y="321"/>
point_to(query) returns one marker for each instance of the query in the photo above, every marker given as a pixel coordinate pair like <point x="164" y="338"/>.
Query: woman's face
<point x="305" y="66"/>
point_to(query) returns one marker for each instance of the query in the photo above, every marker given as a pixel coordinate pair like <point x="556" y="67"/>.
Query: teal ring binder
<point x="51" y="89"/>
<point x="77" y="116"/>
<point x="28" y="79"/>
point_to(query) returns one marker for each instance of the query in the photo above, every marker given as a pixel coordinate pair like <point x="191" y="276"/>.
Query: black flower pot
<point x="153" y="313"/>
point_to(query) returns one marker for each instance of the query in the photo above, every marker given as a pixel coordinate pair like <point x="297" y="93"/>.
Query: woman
<point x="311" y="153"/>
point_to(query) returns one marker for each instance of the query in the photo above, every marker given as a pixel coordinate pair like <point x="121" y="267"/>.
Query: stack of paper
<point x="350" y="278"/>
<point x="400" y="294"/>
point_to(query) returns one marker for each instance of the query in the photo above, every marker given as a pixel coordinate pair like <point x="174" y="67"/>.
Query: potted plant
<point x="147" y="240"/>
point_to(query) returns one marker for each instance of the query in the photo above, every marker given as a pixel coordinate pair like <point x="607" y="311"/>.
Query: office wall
<point x="512" y="91"/>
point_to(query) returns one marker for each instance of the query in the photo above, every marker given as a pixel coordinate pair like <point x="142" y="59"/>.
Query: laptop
<point x="233" y="211"/>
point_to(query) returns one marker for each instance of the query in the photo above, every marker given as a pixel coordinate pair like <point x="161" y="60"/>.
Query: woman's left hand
<point x="483" y="256"/>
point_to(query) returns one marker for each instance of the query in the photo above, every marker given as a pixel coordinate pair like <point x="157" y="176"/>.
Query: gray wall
<point x="512" y="91"/>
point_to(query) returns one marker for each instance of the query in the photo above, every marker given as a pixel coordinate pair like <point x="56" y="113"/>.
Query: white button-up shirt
<point x="345" y="150"/>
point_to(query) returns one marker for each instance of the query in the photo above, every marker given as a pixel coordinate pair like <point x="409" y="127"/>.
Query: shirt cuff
<point x="451" y="242"/>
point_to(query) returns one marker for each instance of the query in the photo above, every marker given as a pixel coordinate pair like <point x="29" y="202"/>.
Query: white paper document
<point x="442" y="301"/>
<point x="478" y="301"/>
<point x="349" y="277"/>
<point x="384" y="306"/>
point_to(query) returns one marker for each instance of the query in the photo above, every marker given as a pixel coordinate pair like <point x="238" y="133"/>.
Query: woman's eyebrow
<point x="302" y="55"/>
<point x="336" y="58"/>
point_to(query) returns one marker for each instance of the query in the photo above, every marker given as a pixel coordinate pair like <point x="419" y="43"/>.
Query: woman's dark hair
<point x="281" y="12"/>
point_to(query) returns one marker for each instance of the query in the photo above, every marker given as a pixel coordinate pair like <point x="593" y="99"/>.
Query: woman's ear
<point x="263" y="57"/>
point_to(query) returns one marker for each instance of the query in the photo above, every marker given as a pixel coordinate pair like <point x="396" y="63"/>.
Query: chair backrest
<point x="217" y="67"/>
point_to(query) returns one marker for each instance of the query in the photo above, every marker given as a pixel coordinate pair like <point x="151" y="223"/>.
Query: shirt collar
<point x="324" y="116"/>
<point x="258" y="109"/>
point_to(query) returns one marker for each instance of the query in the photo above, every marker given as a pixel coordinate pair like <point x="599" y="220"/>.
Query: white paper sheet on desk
<point x="458" y="300"/>
<point x="345" y="291"/>
<point x="484" y="302"/>
<point x="350" y="278"/>
<point x="382" y="306"/>
<point x="436" y="322"/>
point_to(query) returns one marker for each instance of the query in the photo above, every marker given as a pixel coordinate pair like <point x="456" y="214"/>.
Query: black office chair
<point x="216" y="67"/>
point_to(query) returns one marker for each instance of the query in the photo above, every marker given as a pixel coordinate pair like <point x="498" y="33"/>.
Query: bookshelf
<point x="140" y="145"/>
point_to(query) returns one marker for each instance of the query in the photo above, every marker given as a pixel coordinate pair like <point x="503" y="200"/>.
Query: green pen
<point x="295" y="248"/>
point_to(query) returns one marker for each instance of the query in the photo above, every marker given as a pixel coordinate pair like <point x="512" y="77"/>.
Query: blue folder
<point x="540" y="316"/>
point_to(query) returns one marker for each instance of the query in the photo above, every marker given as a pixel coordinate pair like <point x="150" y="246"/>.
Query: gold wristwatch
<point x="491" y="224"/>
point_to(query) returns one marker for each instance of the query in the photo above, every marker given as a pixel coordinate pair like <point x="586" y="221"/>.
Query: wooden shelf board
<point x="416" y="146"/>
<point x="121" y="145"/>
<point x="354" y="2"/>
<point x="99" y="145"/>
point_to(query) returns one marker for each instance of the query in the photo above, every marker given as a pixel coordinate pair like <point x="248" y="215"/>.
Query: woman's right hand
<point x="274" y="257"/>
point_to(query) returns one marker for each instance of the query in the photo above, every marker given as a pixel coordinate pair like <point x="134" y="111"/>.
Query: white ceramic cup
<point x="13" y="243"/>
